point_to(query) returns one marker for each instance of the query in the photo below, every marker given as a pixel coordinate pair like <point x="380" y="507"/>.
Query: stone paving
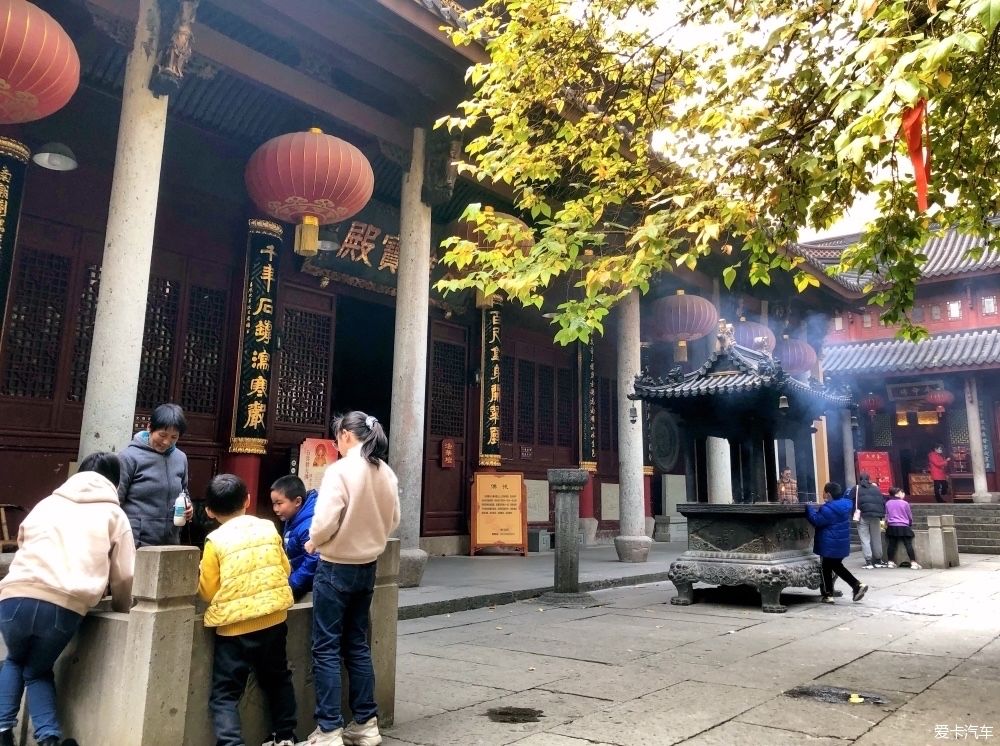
<point x="637" y="671"/>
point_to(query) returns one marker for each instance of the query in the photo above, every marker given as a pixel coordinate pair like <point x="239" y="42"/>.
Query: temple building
<point x="942" y="390"/>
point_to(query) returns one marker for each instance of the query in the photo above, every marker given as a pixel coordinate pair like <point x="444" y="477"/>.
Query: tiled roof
<point x="946" y="255"/>
<point x="944" y="351"/>
<point x="732" y="370"/>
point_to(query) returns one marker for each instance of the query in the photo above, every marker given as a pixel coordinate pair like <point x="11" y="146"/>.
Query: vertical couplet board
<point x="499" y="512"/>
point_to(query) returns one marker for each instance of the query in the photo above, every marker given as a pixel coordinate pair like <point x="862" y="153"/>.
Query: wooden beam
<point x="429" y="24"/>
<point x="340" y="59"/>
<point x="261" y="70"/>
<point x="287" y="82"/>
<point x="346" y="31"/>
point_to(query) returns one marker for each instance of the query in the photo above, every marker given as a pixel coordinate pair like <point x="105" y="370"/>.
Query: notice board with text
<point x="877" y="464"/>
<point x="499" y="512"/>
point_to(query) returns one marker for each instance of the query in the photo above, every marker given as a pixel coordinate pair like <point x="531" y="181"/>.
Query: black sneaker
<point x="860" y="592"/>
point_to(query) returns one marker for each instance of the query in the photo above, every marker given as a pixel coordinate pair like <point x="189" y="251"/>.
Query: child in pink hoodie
<point x="70" y="547"/>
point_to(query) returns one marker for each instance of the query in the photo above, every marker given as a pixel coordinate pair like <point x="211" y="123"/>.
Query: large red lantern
<point x="872" y="404"/>
<point x="39" y="66"/>
<point x="746" y="333"/>
<point x="311" y="179"/>
<point x="683" y="318"/>
<point x="940" y="399"/>
<point x="469" y="231"/>
<point x="795" y="355"/>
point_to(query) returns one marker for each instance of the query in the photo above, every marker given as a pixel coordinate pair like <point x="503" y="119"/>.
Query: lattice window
<point x="203" y="350"/>
<point x="303" y="368"/>
<point x="162" y="306"/>
<point x="507" y="391"/>
<point x="448" y="390"/>
<point x="35" y="324"/>
<point x="565" y="394"/>
<point x="525" y="401"/>
<point x="546" y="405"/>
<point x="84" y="333"/>
<point x="958" y="426"/>
<point x="882" y="430"/>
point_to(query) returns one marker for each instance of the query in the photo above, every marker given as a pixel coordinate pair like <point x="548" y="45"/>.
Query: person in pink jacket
<point x="70" y="547"/>
<point x="356" y="510"/>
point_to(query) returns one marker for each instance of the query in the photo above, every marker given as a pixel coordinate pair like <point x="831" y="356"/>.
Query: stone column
<point x="566" y="484"/>
<point x="847" y="434"/>
<point x="382" y="631"/>
<point x="632" y="544"/>
<point x="980" y="489"/>
<point x="720" y="471"/>
<point x="115" y="355"/>
<point x="409" y="363"/>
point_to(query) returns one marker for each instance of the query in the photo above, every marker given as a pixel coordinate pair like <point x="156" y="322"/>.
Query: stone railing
<point x="143" y="678"/>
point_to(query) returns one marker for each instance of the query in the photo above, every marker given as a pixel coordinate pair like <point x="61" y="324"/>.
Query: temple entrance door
<point x="910" y="446"/>
<point x="446" y="487"/>
<point x="362" y="371"/>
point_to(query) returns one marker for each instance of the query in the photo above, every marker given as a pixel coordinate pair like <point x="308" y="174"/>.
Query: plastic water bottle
<point x="180" y="508"/>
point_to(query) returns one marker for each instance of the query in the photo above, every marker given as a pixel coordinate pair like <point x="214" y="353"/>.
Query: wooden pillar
<point x="804" y="474"/>
<point x="770" y="467"/>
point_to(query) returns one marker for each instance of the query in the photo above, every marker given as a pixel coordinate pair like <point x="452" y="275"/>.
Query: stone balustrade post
<point x="384" y="617"/>
<point x="936" y="555"/>
<point x="154" y="686"/>
<point x="950" y="538"/>
<point x="567" y="484"/>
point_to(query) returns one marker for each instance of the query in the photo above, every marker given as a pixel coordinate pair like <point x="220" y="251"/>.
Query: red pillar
<point x="247" y="467"/>
<point x="587" y="497"/>
<point x="647" y="490"/>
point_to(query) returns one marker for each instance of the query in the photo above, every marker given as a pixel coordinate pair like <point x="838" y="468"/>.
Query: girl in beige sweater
<point x="357" y="509"/>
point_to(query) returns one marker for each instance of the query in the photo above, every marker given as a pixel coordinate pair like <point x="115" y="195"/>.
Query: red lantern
<point x="682" y="318"/>
<point x="795" y="355"/>
<point x="469" y="231"/>
<point x="747" y="333"/>
<point x="39" y="66"/>
<point x="311" y="179"/>
<point x="871" y="404"/>
<point x="940" y="399"/>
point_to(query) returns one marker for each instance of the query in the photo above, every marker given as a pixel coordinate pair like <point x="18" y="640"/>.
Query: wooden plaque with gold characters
<point x="499" y="512"/>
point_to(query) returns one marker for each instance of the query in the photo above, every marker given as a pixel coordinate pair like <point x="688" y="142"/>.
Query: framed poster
<point x="315" y="454"/>
<point x="876" y="463"/>
<point x="499" y="512"/>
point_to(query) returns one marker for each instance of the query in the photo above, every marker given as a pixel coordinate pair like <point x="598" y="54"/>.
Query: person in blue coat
<point x="294" y="506"/>
<point x="833" y="539"/>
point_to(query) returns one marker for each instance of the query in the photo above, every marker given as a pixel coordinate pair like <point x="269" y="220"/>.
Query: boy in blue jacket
<point x="294" y="506"/>
<point x="833" y="539"/>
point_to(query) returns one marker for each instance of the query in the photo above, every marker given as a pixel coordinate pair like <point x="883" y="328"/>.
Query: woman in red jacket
<point x="938" y="463"/>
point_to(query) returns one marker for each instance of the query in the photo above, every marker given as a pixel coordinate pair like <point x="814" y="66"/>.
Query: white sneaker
<point x="868" y="566"/>
<point x="286" y="742"/>
<point x="915" y="566"/>
<point x="319" y="738"/>
<point x="365" y="734"/>
<point x="890" y="565"/>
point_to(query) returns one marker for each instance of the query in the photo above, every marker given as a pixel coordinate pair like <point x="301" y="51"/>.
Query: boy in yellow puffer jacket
<point x="244" y="578"/>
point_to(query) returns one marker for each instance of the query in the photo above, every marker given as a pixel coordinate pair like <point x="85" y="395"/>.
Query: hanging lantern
<point x="747" y="333"/>
<point x="940" y="399"/>
<point x="795" y="355"/>
<point x="871" y="404"/>
<point x="311" y="179"/>
<point x="39" y="66"/>
<point x="682" y="318"/>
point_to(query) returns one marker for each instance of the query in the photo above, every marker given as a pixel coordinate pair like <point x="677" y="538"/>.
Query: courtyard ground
<point x="922" y="649"/>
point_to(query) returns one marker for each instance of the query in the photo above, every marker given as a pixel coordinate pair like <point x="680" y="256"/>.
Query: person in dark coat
<point x="871" y="503"/>
<point x="154" y="471"/>
<point x="833" y="539"/>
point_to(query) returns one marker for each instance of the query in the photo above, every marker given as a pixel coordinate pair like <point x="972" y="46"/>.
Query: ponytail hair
<point x="368" y="430"/>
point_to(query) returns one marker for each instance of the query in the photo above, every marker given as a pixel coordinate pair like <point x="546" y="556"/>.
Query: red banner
<point x="876" y="464"/>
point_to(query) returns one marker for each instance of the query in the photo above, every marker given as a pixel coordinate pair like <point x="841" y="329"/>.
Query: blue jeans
<point x="342" y="596"/>
<point x="35" y="633"/>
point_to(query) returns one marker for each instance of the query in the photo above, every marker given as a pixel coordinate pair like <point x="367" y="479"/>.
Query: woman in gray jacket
<point x="154" y="473"/>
